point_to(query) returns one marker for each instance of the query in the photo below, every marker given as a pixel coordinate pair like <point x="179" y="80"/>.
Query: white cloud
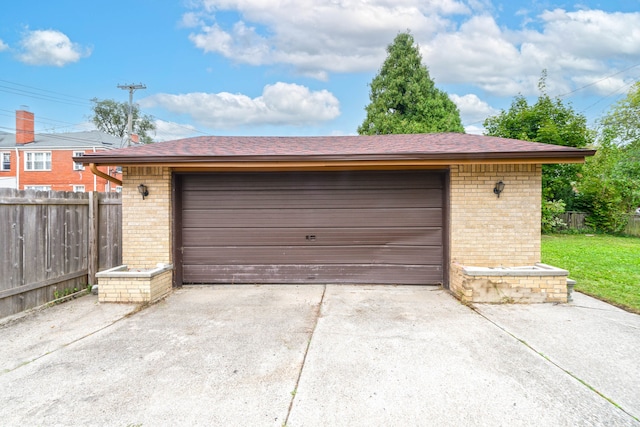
<point x="244" y="45"/>
<point x="603" y="85"/>
<point x="84" y="126"/>
<point x="575" y="47"/>
<point x="316" y="37"/>
<point x="461" y="41"/>
<point x="591" y="33"/>
<point x="279" y="104"/>
<point x="191" y="20"/>
<point x="168" y="131"/>
<point x="474" y="129"/>
<point x="477" y="52"/>
<point x="473" y="111"/>
<point x="50" y="47"/>
<point x="3" y="46"/>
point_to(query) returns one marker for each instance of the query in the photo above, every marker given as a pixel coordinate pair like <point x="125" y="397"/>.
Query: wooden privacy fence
<point x="633" y="226"/>
<point x="576" y="221"/>
<point x="54" y="242"/>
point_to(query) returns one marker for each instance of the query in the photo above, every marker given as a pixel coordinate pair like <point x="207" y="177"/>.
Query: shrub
<point x="550" y="215"/>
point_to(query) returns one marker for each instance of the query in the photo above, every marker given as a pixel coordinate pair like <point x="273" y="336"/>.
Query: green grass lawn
<point x="605" y="267"/>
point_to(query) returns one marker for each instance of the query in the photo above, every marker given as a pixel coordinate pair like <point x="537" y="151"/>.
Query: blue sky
<point x="302" y="67"/>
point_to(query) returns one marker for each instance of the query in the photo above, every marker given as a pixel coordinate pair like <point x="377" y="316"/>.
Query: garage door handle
<point x="311" y="237"/>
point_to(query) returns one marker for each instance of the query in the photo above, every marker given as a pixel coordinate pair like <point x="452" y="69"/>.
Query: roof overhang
<point x="370" y="152"/>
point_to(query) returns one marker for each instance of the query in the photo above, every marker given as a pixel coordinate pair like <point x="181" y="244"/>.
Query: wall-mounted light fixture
<point x="498" y="188"/>
<point x="142" y="189"/>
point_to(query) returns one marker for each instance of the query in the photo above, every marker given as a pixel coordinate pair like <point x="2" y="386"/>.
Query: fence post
<point x="93" y="237"/>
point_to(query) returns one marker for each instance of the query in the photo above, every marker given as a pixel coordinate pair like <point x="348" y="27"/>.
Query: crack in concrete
<point x="548" y="359"/>
<point x="304" y="358"/>
<point x="67" y="344"/>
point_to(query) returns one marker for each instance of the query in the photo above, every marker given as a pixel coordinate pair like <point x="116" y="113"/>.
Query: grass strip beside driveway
<point x="606" y="267"/>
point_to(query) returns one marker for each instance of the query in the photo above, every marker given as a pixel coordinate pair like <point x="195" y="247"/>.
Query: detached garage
<point x="457" y="210"/>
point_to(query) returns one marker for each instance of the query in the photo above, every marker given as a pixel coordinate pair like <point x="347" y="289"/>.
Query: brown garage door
<point x="312" y="227"/>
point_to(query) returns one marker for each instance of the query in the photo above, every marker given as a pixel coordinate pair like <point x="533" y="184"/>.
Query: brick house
<point x="460" y="211"/>
<point x="44" y="161"/>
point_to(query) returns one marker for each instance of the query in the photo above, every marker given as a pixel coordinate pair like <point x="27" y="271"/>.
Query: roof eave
<point x="568" y="156"/>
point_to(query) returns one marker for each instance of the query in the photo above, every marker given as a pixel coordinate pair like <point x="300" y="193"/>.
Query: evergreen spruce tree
<point x="403" y="97"/>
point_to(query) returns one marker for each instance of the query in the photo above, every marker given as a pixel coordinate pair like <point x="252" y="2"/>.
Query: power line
<point x="600" y="99"/>
<point x="50" y="125"/>
<point x="42" y="97"/>
<point x="617" y="91"/>
<point x="61" y="99"/>
<point x="598" y="81"/>
<point x="40" y="118"/>
<point x="67" y="124"/>
<point x="43" y="90"/>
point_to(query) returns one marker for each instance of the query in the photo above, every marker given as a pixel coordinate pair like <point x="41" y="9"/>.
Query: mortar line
<point x="548" y="359"/>
<point x="304" y="358"/>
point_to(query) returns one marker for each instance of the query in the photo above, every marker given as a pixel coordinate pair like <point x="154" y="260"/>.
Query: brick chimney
<point x="24" y="127"/>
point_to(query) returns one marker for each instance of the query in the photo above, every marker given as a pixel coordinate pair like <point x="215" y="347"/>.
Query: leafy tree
<point x="403" y="97"/>
<point x="548" y="121"/>
<point x="610" y="187"/>
<point x="623" y="121"/>
<point x="111" y="117"/>
<point x="603" y="192"/>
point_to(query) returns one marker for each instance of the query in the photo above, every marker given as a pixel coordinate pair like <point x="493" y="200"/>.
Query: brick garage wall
<point x="489" y="231"/>
<point x="146" y="224"/>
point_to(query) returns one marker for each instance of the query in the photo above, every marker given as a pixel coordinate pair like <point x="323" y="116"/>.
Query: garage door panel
<point x="407" y="236"/>
<point x="314" y="180"/>
<point x="314" y="255"/>
<point x="258" y="218"/>
<point x="322" y="198"/>
<point x="299" y="274"/>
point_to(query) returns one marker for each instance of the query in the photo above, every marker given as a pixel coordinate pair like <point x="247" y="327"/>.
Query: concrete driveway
<point x="320" y="355"/>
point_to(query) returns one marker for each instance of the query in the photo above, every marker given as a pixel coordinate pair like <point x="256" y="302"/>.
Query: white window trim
<point x="2" y="154"/>
<point x="78" y="188"/>
<point x="38" y="187"/>
<point x="28" y="154"/>
<point x="78" y="166"/>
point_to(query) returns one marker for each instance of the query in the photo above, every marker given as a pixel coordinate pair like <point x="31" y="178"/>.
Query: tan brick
<point x="490" y="231"/>
<point x="147" y="227"/>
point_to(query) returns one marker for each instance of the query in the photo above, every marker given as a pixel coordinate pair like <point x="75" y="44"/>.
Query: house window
<point x="37" y="161"/>
<point x="78" y="188"/>
<point x="118" y="189"/>
<point x="38" y="187"/>
<point x="118" y="169"/>
<point x="5" y="161"/>
<point x="76" y="165"/>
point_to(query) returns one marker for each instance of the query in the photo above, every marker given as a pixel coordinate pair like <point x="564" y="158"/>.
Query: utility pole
<point x="132" y="88"/>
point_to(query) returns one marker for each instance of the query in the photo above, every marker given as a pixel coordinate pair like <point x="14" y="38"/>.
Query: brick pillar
<point x="146" y="224"/>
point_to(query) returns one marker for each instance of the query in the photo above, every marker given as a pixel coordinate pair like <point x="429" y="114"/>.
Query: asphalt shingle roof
<point x="45" y="141"/>
<point x="440" y="146"/>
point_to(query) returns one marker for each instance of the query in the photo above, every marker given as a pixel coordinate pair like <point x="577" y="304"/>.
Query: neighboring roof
<point x="435" y="147"/>
<point x="44" y="141"/>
